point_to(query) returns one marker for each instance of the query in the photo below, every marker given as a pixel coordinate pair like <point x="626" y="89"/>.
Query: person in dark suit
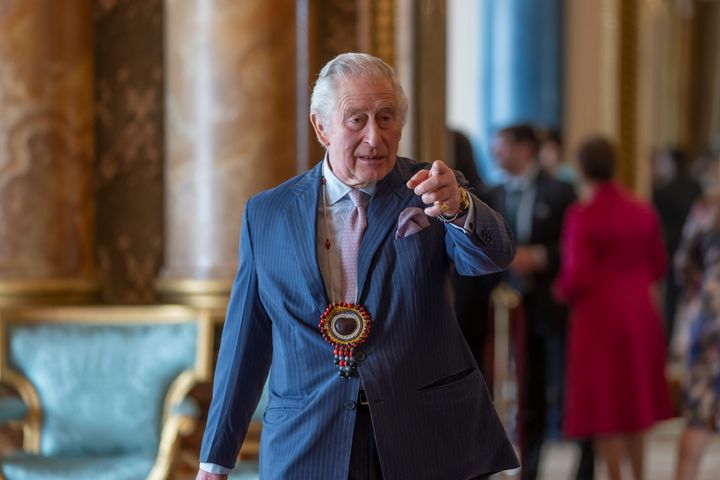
<point x="342" y="286"/>
<point x="534" y="203"/>
<point x="471" y="295"/>
<point x="673" y="200"/>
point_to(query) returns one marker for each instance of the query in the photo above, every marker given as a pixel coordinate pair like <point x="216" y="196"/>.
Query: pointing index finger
<point x="436" y="168"/>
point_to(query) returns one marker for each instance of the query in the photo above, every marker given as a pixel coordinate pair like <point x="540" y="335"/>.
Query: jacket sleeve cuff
<point x="467" y="222"/>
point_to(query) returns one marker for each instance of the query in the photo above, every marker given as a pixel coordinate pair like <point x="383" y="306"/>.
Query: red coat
<point x="612" y="253"/>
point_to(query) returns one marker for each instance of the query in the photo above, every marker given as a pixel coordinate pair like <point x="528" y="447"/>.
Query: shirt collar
<point x="524" y="179"/>
<point x="336" y="190"/>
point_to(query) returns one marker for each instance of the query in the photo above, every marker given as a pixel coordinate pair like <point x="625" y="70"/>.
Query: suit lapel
<point x="385" y="206"/>
<point x="302" y="221"/>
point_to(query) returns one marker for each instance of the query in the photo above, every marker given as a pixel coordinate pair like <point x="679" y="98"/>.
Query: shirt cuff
<point x="216" y="469"/>
<point x="466" y="223"/>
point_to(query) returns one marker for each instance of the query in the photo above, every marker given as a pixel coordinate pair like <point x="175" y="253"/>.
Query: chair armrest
<point x="187" y="408"/>
<point x="181" y="422"/>
<point x="12" y="409"/>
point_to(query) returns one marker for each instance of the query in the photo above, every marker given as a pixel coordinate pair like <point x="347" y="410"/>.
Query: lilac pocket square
<point x="411" y="221"/>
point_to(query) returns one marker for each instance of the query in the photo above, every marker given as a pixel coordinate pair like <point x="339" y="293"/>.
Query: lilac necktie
<point x="351" y="237"/>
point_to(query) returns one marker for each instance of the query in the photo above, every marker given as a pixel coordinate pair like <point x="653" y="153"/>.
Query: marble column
<point x="591" y="71"/>
<point x="230" y="133"/>
<point x="612" y="85"/>
<point x="46" y="145"/>
<point x="523" y="58"/>
<point x="419" y="56"/>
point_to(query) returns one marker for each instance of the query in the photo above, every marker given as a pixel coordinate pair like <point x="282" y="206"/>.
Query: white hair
<point x="352" y="65"/>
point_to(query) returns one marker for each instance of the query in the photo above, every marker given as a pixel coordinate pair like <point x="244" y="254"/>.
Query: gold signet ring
<point x="444" y="208"/>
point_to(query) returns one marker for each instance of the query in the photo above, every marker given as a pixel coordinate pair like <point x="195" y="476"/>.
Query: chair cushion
<point x="12" y="408"/>
<point x="101" y="386"/>
<point x="24" y="466"/>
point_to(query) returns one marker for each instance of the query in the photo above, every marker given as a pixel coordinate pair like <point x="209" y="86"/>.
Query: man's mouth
<point x="370" y="158"/>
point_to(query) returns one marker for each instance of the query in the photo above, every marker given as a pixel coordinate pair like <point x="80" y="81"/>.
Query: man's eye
<point x="356" y="121"/>
<point x="386" y="119"/>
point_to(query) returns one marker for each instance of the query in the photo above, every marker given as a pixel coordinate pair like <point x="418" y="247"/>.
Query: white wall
<point x="463" y="66"/>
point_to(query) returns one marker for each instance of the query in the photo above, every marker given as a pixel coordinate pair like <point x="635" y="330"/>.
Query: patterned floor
<point x="559" y="458"/>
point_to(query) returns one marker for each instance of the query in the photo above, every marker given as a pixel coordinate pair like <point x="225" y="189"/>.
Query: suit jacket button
<point x="359" y="356"/>
<point x="350" y="405"/>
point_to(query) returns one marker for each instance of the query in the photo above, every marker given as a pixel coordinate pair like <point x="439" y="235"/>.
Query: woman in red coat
<point x="612" y="252"/>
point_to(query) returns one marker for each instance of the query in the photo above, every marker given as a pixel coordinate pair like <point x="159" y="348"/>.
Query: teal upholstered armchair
<point x="103" y="389"/>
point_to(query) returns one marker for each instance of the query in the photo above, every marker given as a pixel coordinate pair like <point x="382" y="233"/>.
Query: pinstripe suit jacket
<point x="432" y="415"/>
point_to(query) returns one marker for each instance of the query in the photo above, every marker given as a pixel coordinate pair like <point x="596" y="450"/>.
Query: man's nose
<point x="372" y="133"/>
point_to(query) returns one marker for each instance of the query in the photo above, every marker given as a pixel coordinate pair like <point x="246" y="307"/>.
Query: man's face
<point x="549" y="155"/>
<point x="363" y="130"/>
<point x="510" y="155"/>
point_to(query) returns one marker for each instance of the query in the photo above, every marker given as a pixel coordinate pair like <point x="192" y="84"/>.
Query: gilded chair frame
<point x="174" y="424"/>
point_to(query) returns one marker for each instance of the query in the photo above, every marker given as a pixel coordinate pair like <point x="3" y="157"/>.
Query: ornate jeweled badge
<point x="345" y="326"/>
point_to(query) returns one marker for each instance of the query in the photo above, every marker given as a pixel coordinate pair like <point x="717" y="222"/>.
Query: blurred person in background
<point x="698" y="264"/>
<point x="534" y="202"/>
<point x="673" y="198"/>
<point x="552" y="158"/>
<point x="662" y="168"/>
<point x="612" y="252"/>
<point x="471" y="295"/>
<point x="706" y="171"/>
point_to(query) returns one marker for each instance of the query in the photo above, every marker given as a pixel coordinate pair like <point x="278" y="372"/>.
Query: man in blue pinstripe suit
<point x="410" y="402"/>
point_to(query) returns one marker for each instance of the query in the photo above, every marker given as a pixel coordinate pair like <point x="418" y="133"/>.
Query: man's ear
<point x="320" y="130"/>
